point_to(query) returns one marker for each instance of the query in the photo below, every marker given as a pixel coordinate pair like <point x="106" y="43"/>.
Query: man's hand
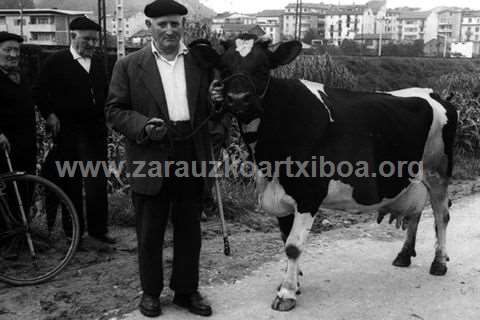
<point x="4" y="144"/>
<point x="216" y="94"/>
<point x="156" y="129"/>
<point x="53" y="124"/>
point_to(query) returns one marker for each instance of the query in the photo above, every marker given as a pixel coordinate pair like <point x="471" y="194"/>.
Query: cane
<point x="22" y="210"/>
<point x="226" y="243"/>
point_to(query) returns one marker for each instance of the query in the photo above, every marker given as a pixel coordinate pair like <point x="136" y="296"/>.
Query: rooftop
<point x="270" y="13"/>
<point x="46" y="11"/>
<point x="471" y="13"/>
<point x="239" y="27"/>
<point x="348" y="9"/>
<point x="416" y="15"/>
<point x="320" y="5"/>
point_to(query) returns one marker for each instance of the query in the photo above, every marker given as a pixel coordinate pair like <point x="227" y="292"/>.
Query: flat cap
<point x="83" y="23"/>
<point x="6" y="36"/>
<point x="159" y="8"/>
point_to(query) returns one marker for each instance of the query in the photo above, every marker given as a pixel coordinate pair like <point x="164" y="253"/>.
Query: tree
<point x="16" y="4"/>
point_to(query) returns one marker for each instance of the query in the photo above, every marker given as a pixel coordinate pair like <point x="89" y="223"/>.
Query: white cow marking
<point x="315" y="88"/>
<point x="244" y="47"/>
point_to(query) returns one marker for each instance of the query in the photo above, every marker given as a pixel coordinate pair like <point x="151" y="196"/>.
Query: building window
<point x="476" y="37"/>
<point x="18" y="22"/>
<point x="3" y="20"/>
<point x="477" y="29"/>
<point x="43" y="36"/>
<point x="469" y="20"/>
<point x="42" y="20"/>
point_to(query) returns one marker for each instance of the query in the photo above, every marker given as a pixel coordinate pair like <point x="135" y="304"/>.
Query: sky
<point x="252" y="6"/>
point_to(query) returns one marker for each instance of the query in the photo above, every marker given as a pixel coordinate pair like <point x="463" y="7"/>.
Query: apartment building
<point x="449" y="24"/>
<point x="271" y="21"/>
<point x="393" y="26"/>
<point x="40" y="26"/>
<point x="418" y="25"/>
<point x="357" y="22"/>
<point x="312" y="17"/>
<point x="470" y="27"/>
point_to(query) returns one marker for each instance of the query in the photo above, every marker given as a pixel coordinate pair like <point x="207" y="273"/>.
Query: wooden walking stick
<point x="226" y="243"/>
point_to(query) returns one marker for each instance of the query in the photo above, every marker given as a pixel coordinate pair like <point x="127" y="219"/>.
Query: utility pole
<point x="300" y="20"/>
<point x="20" y="4"/>
<point x="445" y="39"/>
<point x="296" y="19"/>
<point x="382" y="21"/>
<point x="120" y="30"/>
<point x="102" y="21"/>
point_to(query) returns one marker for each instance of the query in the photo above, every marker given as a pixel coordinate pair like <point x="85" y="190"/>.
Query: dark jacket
<point x="17" y="122"/>
<point x="76" y="97"/>
<point x="136" y="95"/>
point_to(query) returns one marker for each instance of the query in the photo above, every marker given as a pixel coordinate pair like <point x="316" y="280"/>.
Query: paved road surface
<point x="348" y="275"/>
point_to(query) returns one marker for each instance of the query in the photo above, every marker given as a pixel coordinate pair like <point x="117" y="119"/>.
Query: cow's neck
<point x="250" y="134"/>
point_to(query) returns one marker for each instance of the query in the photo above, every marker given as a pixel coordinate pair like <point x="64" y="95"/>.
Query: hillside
<point x="195" y="8"/>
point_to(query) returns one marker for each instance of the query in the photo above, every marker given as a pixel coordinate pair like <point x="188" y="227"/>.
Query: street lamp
<point x="444" y="44"/>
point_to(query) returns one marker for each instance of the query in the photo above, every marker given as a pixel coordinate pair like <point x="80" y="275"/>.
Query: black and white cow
<point x="301" y="120"/>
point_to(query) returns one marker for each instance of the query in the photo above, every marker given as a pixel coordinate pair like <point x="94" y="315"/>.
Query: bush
<point x="318" y="69"/>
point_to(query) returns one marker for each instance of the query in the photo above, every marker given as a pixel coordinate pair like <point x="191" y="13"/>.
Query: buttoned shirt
<point x="174" y="83"/>
<point x="85" y="62"/>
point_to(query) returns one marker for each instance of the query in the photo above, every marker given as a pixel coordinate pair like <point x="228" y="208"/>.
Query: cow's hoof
<point x="282" y="304"/>
<point x="438" y="268"/>
<point x="402" y="261"/>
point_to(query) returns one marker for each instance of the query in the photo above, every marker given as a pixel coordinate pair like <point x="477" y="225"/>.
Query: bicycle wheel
<point x="37" y="247"/>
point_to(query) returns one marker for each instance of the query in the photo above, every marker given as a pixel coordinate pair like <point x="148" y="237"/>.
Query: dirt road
<point x="348" y="275"/>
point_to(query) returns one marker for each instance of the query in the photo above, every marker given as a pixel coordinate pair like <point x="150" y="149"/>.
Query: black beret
<point x="161" y="8"/>
<point x="83" y="23"/>
<point x="6" y="36"/>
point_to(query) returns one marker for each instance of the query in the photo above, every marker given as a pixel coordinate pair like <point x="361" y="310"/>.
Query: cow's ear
<point x="204" y="53"/>
<point x="284" y="53"/>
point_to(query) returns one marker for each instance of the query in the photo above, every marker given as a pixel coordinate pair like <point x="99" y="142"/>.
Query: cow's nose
<point x="238" y="98"/>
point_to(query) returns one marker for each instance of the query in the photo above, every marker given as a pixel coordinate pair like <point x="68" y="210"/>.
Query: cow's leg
<point x="439" y="200"/>
<point x="286" y="296"/>
<point x="286" y="224"/>
<point x="408" y="249"/>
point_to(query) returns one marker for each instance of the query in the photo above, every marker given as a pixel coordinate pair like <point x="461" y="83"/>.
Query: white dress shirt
<point x="174" y="83"/>
<point x="84" y="61"/>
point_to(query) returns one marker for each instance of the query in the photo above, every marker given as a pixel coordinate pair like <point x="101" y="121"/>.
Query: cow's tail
<point x="449" y="130"/>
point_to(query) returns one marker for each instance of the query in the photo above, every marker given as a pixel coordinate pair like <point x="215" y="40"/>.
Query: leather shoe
<point x="104" y="238"/>
<point x="150" y="306"/>
<point x="194" y="303"/>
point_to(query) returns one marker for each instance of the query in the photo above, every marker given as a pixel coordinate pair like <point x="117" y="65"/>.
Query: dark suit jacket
<point x="17" y="122"/>
<point x="136" y="95"/>
<point x="75" y="96"/>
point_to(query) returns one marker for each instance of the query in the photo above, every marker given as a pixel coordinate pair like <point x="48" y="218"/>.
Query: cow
<point x="299" y="120"/>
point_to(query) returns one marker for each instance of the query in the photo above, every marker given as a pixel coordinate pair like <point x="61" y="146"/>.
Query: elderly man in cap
<point x="17" y="113"/>
<point x="70" y="93"/>
<point x="159" y="99"/>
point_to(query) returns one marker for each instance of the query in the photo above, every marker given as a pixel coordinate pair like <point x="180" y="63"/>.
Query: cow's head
<point x="244" y="68"/>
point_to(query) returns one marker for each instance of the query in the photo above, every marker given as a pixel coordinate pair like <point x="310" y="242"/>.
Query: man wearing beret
<point x="159" y="99"/>
<point x="17" y="113"/>
<point x="70" y="93"/>
<point x="17" y="116"/>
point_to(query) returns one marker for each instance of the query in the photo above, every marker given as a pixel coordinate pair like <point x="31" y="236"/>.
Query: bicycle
<point x="39" y="228"/>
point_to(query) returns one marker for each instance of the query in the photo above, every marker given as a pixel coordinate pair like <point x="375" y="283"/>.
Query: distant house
<point x="435" y="47"/>
<point x="141" y="38"/>
<point x="271" y="22"/>
<point x="233" y="30"/>
<point x="371" y="40"/>
<point x="40" y="26"/>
